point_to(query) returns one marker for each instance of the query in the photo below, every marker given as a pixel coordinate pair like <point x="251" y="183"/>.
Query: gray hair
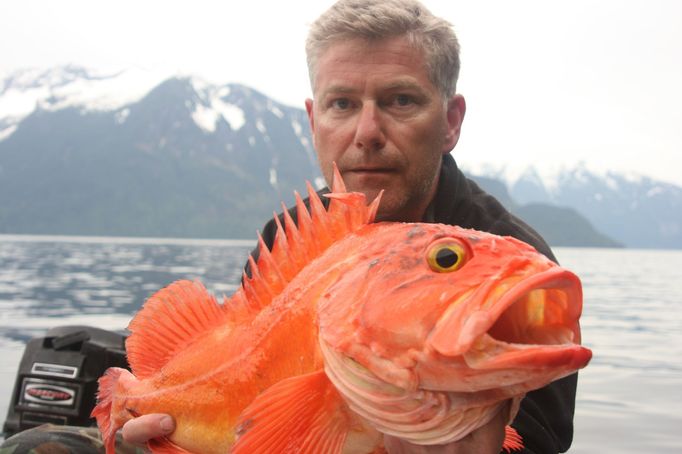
<point x="380" y="19"/>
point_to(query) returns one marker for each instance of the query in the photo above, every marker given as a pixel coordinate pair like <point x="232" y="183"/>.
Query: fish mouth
<point x="535" y="327"/>
<point x="541" y="310"/>
<point x="506" y="325"/>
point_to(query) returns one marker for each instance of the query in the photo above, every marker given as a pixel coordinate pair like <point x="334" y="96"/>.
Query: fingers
<point x="141" y="429"/>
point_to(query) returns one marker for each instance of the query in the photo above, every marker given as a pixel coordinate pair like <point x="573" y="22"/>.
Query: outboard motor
<point x="57" y="378"/>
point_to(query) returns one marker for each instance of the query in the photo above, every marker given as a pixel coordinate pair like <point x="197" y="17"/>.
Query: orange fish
<point x="348" y="330"/>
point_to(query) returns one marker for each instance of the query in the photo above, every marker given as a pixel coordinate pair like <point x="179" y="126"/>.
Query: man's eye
<point x="341" y="104"/>
<point x="403" y="100"/>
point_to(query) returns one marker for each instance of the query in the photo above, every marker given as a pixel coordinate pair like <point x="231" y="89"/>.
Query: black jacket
<point x="545" y="419"/>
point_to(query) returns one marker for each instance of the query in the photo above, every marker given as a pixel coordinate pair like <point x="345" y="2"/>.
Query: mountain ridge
<point x="171" y="162"/>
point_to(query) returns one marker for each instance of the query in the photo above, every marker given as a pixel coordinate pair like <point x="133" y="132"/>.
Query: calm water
<point x="629" y="399"/>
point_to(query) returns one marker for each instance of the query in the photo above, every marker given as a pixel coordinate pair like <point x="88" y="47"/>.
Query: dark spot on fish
<point x="244" y="427"/>
<point x="373" y="263"/>
<point x="408" y="263"/>
<point x="132" y="412"/>
<point x="416" y="232"/>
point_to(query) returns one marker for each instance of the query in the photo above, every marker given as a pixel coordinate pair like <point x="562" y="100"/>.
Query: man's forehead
<point x="350" y="85"/>
<point x="387" y="64"/>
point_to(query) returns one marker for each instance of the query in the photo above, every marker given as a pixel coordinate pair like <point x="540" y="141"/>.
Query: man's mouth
<point x="369" y="171"/>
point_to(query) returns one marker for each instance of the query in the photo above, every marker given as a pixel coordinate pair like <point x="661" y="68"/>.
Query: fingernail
<point x="167" y="424"/>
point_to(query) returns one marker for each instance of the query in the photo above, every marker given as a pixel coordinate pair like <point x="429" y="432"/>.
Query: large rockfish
<point x="348" y="330"/>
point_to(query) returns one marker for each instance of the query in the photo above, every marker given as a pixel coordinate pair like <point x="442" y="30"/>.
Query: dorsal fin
<point x="295" y="246"/>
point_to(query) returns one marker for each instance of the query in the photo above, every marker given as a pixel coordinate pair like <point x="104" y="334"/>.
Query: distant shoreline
<point x="125" y="240"/>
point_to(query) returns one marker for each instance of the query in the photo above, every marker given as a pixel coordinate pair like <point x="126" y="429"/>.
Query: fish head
<point x="436" y="307"/>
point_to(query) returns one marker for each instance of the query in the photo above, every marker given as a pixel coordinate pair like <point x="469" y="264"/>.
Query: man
<point x="383" y="75"/>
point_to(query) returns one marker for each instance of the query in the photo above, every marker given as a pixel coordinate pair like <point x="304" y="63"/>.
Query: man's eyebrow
<point x="338" y="89"/>
<point x="395" y="85"/>
<point x="409" y="86"/>
<point x="403" y="85"/>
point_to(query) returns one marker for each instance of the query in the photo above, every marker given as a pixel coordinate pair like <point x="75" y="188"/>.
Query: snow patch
<point x="260" y="126"/>
<point x="205" y="117"/>
<point x="223" y="92"/>
<point x="277" y="112"/>
<point x="122" y="116"/>
<point x="232" y="114"/>
<point x="319" y="183"/>
<point x="16" y="104"/>
<point x="656" y="190"/>
<point x="297" y="127"/>
<point x="611" y="183"/>
<point x="5" y="133"/>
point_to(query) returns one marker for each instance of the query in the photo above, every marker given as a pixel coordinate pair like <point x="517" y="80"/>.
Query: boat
<point x="57" y="377"/>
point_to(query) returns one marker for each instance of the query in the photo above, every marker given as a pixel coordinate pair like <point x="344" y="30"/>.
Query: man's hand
<point x="140" y="430"/>
<point x="486" y="439"/>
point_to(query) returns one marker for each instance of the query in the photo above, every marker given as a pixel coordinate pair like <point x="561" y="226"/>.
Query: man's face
<point x="379" y="117"/>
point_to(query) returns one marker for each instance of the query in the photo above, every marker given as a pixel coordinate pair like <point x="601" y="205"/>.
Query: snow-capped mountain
<point x="633" y="209"/>
<point x="135" y="153"/>
<point x="185" y="158"/>
<point x="25" y="91"/>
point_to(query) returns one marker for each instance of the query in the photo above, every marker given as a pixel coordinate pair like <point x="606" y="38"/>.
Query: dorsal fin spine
<point x="268" y="267"/>
<point x="281" y="252"/>
<point x="337" y="183"/>
<point x="320" y="219"/>
<point x="305" y="226"/>
<point x="373" y="208"/>
<point x="296" y="244"/>
<point x="260" y="285"/>
<point x="296" y="249"/>
<point x="249" y="292"/>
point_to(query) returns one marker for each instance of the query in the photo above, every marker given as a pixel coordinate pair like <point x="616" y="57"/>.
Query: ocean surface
<point x="629" y="397"/>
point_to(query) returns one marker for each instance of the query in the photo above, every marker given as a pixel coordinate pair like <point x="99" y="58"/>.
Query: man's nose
<point x="369" y="134"/>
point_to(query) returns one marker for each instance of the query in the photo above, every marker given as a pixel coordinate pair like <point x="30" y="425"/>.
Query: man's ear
<point x="309" y="109"/>
<point x="456" y="109"/>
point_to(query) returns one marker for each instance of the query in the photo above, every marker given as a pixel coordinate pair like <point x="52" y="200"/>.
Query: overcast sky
<point x="545" y="81"/>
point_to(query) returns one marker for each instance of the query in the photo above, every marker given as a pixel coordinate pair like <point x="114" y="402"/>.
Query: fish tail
<point x="512" y="440"/>
<point x="104" y="412"/>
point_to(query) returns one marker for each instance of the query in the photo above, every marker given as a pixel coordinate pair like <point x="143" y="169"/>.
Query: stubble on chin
<point x="405" y="205"/>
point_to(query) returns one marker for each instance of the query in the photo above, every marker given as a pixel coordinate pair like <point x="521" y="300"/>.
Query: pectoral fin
<point x="302" y="414"/>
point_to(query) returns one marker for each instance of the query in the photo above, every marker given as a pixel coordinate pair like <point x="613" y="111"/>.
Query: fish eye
<point x="446" y="256"/>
